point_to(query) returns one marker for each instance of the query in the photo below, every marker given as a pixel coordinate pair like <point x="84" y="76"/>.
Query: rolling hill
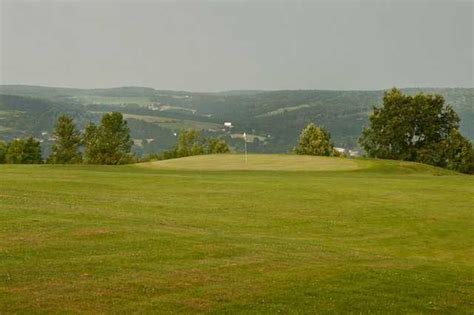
<point x="210" y="234"/>
<point x="273" y="118"/>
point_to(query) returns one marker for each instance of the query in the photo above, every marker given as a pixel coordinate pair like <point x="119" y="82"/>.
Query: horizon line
<point x="235" y="90"/>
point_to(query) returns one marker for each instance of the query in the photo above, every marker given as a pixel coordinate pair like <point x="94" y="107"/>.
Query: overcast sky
<point x="226" y="45"/>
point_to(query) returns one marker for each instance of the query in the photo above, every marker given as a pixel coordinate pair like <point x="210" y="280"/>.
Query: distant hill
<point x="272" y="118"/>
<point x="20" y="115"/>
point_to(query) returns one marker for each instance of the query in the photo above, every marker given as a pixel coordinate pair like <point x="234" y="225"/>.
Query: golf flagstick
<point x="245" y="146"/>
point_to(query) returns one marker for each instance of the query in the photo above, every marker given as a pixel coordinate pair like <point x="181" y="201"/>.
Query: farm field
<point x="174" y="124"/>
<point x="211" y="234"/>
<point x="138" y="100"/>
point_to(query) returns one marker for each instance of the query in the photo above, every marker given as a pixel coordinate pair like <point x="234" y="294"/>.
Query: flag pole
<point x="245" y="146"/>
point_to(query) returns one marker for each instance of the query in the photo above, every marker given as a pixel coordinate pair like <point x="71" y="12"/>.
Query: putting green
<point x="255" y="162"/>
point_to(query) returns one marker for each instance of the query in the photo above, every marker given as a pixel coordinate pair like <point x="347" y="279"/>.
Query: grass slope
<point x="386" y="237"/>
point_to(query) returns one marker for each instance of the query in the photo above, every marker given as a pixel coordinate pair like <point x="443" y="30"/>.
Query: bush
<point x="217" y="146"/>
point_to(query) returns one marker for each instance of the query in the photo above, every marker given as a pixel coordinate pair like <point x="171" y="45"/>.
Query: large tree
<point x="416" y="128"/>
<point x="108" y="143"/>
<point x="24" y="151"/>
<point x="315" y="141"/>
<point x="65" y="150"/>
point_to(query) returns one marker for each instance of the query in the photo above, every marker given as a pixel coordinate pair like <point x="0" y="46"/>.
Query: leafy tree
<point x="24" y="151"/>
<point x="460" y="153"/>
<point x="314" y="141"/>
<point x="66" y="148"/>
<point x="455" y="153"/>
<point x="32" y="151"/>
<point x="91" y="142"/>
<point x="216" y="146"/>
<point x="108" y="143"/>
<point x="416" y="128"/>
<point x="3" y="151"/>
<point x="190" y="142"/>
<point x="15" y="152"/>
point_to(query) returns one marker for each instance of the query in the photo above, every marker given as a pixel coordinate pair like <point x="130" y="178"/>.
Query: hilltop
<point x="273" y="119"/>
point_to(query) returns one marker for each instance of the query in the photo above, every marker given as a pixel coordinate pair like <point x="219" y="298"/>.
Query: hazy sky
<point x="223" y="45"/>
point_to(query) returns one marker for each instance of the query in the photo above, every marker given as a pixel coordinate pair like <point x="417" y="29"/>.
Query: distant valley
<point x="273" y="119"/>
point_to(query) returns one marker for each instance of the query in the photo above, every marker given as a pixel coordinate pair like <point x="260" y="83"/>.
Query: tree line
<point x="191" y="142"/>
<point x="420" y="128"/>
<point x="108" y="143"/>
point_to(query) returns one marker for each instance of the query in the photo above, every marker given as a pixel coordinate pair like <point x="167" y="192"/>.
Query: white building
<point x="354" y="153"/>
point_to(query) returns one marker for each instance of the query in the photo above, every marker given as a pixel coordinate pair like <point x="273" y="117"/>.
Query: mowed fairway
<point x="293" y="235"/>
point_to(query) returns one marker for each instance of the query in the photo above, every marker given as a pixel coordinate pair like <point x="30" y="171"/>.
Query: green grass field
<point x="256" y="162"/>
<point x="282" y="234"/>
<point x="110" y="100"/>
<point x="174" y="124"/>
